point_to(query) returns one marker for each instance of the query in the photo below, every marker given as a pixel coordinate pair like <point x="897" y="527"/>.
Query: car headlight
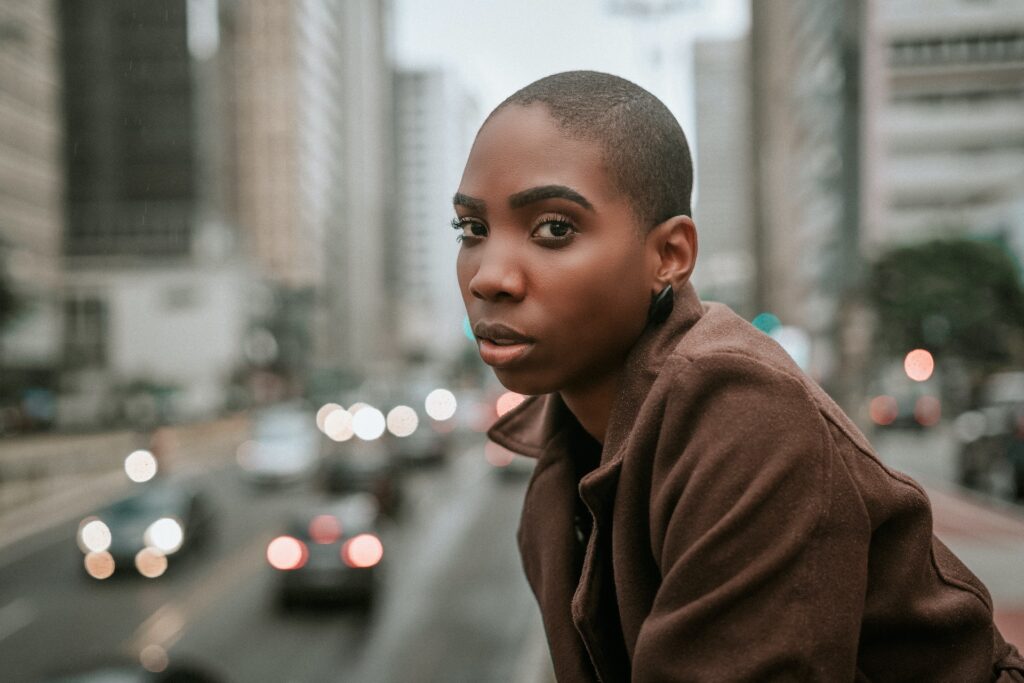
<point x="93" y="535"/>
<point x="165" y="534"/>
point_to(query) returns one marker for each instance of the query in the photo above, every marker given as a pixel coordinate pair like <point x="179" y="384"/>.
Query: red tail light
<point x="884" y="410"/>
<point x="325" y="529"/>
<point x="363" y="551"/>
<point x="287" y="553"/>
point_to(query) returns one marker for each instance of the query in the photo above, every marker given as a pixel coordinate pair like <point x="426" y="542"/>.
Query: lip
<point x="514" y="344"/>
<point x="499" y="332"/>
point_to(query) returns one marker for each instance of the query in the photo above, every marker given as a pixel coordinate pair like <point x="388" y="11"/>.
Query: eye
<point x="555" y="230"/>
<point x="469" y="228"/>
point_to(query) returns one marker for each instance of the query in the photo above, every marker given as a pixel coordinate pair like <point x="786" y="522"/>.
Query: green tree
<point x="959" y="298"/>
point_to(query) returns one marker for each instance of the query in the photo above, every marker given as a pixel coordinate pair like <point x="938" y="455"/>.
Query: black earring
<point x="661" y="306"/>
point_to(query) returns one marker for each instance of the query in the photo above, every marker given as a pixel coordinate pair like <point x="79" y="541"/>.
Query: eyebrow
<point x="471" y="203"/>
<point x="529" y="196"/>
<point x="536" y="194"/>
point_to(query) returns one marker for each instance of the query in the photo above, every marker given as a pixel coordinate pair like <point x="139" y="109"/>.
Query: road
<point x="455" y="606"/>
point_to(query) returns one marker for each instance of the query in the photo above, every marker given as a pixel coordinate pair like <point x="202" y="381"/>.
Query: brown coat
<point x="743" y="530"/>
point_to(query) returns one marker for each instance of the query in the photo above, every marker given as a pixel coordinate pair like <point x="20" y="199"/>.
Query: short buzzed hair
<point x="645" y="149"/>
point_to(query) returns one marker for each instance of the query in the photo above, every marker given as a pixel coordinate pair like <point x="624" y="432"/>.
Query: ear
<point x="672" y="250"/>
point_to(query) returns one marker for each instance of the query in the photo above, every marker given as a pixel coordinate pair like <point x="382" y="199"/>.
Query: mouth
<point x="499" y="344"/>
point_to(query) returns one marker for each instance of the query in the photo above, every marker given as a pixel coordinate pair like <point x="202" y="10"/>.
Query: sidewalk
<point x="990" y="541"/>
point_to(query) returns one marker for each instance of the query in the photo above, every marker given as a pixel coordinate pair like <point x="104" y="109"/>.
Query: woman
<point x="700" y="510"/>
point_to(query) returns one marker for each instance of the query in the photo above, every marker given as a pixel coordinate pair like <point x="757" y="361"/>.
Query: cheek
<point x="464" y="270"/>
<point x="602" y="293"/>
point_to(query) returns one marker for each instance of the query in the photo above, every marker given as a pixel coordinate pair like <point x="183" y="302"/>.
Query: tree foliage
<point x="958" y="297"/>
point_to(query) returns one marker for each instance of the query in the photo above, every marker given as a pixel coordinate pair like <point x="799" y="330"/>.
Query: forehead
<point x="522" y="147"/>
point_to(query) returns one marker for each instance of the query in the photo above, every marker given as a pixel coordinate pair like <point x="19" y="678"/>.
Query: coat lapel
<point x="581" y="615"/>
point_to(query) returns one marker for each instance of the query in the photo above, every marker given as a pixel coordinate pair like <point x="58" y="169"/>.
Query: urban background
<point x="236" y="382"/>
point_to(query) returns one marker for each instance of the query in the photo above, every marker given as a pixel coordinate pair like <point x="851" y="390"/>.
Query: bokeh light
<point x="883" y="410"/>
<point x="357" y="406"/>
<point x="165" y="535"/>
<point x="369" y="423"/>
<point x="150" y="562"/>
<point x="499" y="456"/>
<point x="338" y="425"/>
<point x="440" y="404"/>
<point x="325" y="529"/>
<point x="154" y="659"/>
<point x="402" y="421"/>
<point x="99" y="565"/>
<point x="766" y="322"/>
<point x="467" y="329"/>
<point x="919" y="365"/>
<point x="243" y="454"/>
<point x="140" y="466"/>
<point x="365" y="550"/>
<point x="286" y="553"/>
<point x="508" y="401"/>
<point x="970" y="426"/>
<point x="928" y="411"/>
<point x="94" y="535"/>
<point x="321" y="415"/>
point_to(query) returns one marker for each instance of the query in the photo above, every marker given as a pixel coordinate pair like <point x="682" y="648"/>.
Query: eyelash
<point x="555" y="219"/>
<point x="461" y="223"/>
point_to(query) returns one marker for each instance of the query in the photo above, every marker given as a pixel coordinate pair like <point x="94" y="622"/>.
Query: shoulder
<point x="736" y="417"/>
<point x="726" y="376"/>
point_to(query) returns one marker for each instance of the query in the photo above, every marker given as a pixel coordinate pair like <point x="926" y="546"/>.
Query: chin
<point x="526" y="383"/>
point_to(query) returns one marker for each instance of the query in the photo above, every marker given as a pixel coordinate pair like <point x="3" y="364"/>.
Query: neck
<point x="592" y="404"/>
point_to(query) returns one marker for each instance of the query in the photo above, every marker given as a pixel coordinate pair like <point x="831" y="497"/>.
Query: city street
<point x="453" y="607"/>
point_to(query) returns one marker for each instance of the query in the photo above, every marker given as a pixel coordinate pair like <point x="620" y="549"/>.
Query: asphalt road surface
<point x="453" y="606"/>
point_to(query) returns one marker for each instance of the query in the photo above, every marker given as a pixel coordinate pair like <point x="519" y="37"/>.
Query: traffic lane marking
<point x="167" y="624"/>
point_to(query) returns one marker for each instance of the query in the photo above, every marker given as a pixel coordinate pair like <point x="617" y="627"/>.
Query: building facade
<point x="944" y="103"/>
<point x="153" y="295"/>
<point x="312" y="164"/>
<point x="724" y="211"/>
<point x="436" y="120"/>
<point x="31" y="183"/>
<point x="805" y="59"/>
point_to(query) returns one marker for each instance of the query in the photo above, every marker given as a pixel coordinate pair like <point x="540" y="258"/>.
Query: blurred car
<point x="164" y="517"/>
<point x="991" y="436"/>
<point x="329" y="553"/>
<point x="285" y="446"/>
<point x="357" y="466"/>
<point x="898" y="402"/>
<point x="423" y="448"/>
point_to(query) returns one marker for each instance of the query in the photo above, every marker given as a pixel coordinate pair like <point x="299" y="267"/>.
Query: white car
<point x="285" y="446"/>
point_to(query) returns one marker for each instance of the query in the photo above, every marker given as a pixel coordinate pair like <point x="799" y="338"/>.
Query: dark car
<point x="991" y="436"/>
<point x="363" y="467"/>
<point x="331" y="553"/>
<point x="141" y="532"/>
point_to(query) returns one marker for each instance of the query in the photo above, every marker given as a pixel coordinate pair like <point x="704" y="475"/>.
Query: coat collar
<point x="532" y="426"/>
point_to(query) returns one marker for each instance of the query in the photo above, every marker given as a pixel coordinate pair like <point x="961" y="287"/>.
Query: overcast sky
<point x="498" y="46"/>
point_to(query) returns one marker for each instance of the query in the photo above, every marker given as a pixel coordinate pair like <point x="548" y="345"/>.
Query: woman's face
<point x="552" y="268"/>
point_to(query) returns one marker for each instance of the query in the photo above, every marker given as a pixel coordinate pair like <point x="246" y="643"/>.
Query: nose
<point x="499" y="275"/>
